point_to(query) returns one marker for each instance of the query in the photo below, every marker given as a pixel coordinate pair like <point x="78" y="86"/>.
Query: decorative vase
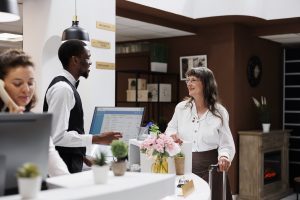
<point x="266" y="127"/>
<point x="29" y="187"/>
<point x="100" y="173"/>
<point x="119" y="168"/>
<point x="179" y="165"/>
<point x="160" y="165"/>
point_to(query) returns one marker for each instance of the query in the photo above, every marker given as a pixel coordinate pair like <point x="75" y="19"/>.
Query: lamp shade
<point x="9" y="10"/>
<point x="75" y="32"/>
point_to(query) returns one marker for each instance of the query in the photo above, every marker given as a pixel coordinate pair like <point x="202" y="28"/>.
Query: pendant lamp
<point x="75" y="31"/>
<point x="9" y="11"/>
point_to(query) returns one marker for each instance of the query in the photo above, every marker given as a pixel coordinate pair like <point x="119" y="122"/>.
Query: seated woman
<point x="18" y="75"/>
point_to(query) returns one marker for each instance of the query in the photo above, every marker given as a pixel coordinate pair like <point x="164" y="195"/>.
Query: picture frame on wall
<point x="189" y="62"/>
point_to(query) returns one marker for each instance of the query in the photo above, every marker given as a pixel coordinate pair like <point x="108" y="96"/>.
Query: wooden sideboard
<point x="263" y="165"/>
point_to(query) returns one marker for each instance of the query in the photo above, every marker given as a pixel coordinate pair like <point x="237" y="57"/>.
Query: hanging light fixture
<point x="75" y="31"/>
<point x="9" y="11"/>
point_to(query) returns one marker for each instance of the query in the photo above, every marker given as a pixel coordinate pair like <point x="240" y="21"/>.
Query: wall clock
<point x="254" y="71"/>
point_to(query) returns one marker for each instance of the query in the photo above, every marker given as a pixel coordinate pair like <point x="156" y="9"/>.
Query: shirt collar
<point x="195" y="114"/>
<point x="69" y="76"/>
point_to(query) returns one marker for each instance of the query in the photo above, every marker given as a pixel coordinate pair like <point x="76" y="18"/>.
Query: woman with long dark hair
<point x="203" y="121"/>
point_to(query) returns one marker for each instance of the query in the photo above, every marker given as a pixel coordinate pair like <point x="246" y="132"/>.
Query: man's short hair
<point x="68" y="49"/>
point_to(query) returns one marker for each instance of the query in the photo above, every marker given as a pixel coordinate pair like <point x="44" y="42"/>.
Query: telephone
<point x="6" y="98"/>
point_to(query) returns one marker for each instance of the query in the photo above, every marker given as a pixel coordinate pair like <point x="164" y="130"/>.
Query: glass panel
<point x="272" y="167"/>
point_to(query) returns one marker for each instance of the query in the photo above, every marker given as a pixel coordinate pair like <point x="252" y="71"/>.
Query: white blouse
<point x="206" y="132"/>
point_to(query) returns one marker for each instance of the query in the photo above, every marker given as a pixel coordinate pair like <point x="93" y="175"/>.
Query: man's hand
<point x="106" y="138"/>
<point x="224" y="163"/>
<point x="88" y="160"/>
<point x="176" y="139"/>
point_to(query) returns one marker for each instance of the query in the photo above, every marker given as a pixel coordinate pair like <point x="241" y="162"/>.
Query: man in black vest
<point x="63" y="100"/>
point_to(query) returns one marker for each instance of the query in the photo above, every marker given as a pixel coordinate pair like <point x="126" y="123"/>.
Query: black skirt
<point x="200" y="165"/>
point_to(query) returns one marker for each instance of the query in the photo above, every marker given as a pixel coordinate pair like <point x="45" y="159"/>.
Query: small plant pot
<point x="29" y="187"/>
<point x="179" y="165"/>
<point x="119" y="168"/>
<point x="266" y="127"/>
<point x="100" y="174"/>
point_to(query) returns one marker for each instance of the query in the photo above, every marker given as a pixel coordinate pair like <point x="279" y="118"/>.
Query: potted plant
<point x="100" y="168"/>
<point x="119" y="151"/>
<point x="264" y="113"/>
<point x="29" y="180"/>
<point x="179" y="163"/>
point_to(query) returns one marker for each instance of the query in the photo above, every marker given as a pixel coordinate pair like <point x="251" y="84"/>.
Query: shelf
<point x="294" y="162"/>
<point x="292" y="111"/>
<point x="292" y="99"/>
<point x="294" y="137"/>
<point x="136" y="54"/>
<point x="291" y="124"/>
<point x="146" y="72"/>
<point x="292" y="61"/>
<point x="292" y="86"/>
<point x="292" y="73"/>
<point x="146" y="102"/>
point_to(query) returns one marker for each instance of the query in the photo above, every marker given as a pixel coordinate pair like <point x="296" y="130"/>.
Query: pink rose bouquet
<point x="159" y="144"/>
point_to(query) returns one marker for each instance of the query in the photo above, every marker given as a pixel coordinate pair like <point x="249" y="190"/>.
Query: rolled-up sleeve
<point x="226" y="144"/>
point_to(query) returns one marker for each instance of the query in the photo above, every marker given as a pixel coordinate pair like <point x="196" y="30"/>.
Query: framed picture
<point x="189" y="62"/>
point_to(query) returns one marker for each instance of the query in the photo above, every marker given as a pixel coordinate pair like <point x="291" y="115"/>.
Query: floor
<point x="291" y="197"/>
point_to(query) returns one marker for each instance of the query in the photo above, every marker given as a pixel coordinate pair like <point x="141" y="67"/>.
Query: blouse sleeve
<point x="56" y="165"/>
<point x="173" y="124"/>
<point x="226" y="143"/>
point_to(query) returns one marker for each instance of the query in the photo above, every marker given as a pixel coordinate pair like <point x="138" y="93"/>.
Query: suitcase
<point x="210" y="179"/>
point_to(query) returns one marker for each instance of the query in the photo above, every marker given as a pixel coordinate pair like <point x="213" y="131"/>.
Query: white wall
<point x="44" y="22"/>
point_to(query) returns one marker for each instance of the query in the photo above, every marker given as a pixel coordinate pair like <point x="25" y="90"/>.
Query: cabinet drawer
<point x="274" y="141"/>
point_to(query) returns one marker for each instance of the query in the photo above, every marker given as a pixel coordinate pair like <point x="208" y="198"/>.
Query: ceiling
<point x="131" y="29"/>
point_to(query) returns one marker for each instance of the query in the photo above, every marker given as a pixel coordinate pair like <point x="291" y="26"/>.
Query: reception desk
<point x="131" y="186"/>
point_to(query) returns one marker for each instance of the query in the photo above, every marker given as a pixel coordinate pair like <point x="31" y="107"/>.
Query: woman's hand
<point x="176" y="138"/>
<point x="15" y="109"/>
<point x="224" y="163"/>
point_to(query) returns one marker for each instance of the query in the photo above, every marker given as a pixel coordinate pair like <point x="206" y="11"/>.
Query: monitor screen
<point x="23" y="138"/>
<point x="120" y="119"/>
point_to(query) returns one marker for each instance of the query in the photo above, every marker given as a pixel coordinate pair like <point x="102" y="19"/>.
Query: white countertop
<point x="131" y="186"/>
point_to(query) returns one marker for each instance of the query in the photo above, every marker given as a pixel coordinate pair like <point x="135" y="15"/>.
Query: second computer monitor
<point x="126" y="120"/>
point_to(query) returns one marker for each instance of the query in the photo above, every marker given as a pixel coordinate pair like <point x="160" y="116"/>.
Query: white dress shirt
<point x="56" y="166"/>
<point x="61" y="100"/>
<point x="205" y="132"/>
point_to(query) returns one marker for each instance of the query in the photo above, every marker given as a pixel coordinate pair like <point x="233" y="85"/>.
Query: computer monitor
<point x="24" y="138"/>
<point x="126" y="120"/>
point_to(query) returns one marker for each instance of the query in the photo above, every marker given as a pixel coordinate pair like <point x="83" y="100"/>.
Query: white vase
<point x="266" y="127"/>
<point x="100" y="173"/>
<point x="29" y="187"/>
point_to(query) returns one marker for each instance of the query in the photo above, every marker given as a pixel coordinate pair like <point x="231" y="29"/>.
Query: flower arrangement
<point x="159" y="146"/>
<point x="263" y="110"/>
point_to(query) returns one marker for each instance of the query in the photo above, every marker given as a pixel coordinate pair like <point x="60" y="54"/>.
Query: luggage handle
<point x="210" y="170"/>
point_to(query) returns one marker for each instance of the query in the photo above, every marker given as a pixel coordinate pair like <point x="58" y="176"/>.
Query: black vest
<point x="75" y="120"/>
